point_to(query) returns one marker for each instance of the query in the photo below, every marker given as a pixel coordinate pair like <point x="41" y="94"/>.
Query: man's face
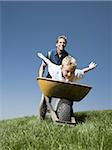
<point x="60" y="45"/>
<point x="68" y="72"/>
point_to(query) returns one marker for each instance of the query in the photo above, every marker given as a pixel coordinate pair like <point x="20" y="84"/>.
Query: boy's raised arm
<point x="52" y="68"/>
<point x="48" y="62"/>
<point x="91" y="66"/>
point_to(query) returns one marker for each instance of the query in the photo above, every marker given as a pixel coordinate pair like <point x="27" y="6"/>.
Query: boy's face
<point x="60" y="45"/>
<point x="68" y="72"/>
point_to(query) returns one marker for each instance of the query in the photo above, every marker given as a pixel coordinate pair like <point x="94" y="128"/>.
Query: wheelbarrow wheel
<point x="64" y="110"/>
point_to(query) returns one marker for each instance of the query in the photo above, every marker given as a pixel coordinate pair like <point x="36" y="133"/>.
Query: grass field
<point x="92" y="132"/>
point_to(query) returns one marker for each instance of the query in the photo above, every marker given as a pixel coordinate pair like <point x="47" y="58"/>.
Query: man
<point x="56" y="56"/>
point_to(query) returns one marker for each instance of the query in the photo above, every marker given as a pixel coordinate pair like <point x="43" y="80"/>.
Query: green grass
<point x="93" y="132"/>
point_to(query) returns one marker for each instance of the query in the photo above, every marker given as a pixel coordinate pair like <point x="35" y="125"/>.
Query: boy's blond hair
<point x="69" y="60"/>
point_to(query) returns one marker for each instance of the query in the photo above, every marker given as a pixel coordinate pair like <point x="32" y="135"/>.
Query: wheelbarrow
<point x="67" y="92"/>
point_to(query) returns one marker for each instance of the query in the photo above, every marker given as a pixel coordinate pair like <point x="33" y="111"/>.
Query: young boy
<point x="68" y="72"/>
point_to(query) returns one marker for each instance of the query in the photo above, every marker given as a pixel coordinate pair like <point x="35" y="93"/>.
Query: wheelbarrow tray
<point x="61" y="89"/>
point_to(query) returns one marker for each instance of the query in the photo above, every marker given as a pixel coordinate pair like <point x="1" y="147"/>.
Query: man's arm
<point x="42" y="69"/>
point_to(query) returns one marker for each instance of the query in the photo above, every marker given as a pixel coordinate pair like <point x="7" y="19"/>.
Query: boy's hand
<point x="40" y="55"/>
<point x="92" y="65"/>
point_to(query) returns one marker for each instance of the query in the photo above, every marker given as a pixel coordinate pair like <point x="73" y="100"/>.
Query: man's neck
<point x="59" y="53"/>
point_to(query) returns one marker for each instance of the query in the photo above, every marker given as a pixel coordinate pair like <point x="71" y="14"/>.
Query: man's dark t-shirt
<point x="53" y="56"/>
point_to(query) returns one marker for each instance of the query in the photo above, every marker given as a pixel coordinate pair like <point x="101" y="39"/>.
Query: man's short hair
<point x="63" y="37"/>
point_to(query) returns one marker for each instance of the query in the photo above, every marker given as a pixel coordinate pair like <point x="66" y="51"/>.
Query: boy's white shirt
<point x="55" y="70"/>
<point x="56" y="74"/>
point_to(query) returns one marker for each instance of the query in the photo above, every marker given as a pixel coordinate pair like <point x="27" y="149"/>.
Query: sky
<point x="30" y="26"/>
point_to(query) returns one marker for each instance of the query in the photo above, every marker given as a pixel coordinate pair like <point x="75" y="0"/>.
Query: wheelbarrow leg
<point x="52" y="112"/>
